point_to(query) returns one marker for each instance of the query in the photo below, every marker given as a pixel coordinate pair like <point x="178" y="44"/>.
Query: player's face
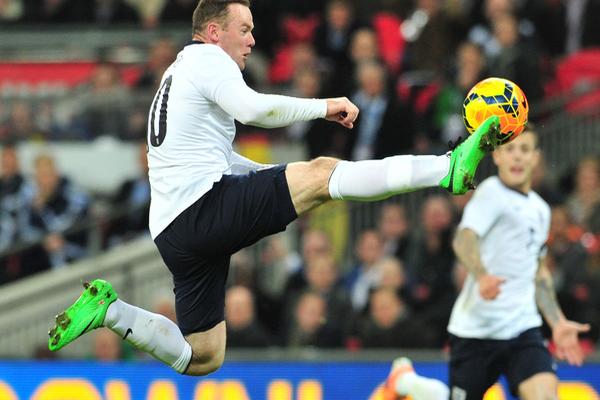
<point x="236" y="37"/>
<point x="516" y="161"/>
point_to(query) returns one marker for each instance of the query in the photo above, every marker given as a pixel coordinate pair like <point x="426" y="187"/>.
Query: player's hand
<point x="565" y="336"/>
<point x="489" y="286"/>
<point x="342" y="111"/>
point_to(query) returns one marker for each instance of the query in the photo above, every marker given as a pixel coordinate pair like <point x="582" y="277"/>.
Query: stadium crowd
<point x="407" y="64"/>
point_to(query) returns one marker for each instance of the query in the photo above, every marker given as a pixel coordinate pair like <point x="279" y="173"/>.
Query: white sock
<point x="421" y="388"/>
<point x="379" y="179"/>
<point x="149" y="332"/>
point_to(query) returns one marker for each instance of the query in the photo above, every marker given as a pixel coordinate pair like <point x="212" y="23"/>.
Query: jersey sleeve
<point x="224" y="85"/>
<point x="482" y="211"/>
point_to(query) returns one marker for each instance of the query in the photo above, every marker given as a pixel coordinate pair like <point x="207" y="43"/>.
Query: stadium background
<point x="76" y="81"/>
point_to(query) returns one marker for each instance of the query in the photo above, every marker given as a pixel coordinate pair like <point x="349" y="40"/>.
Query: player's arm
<point x="564" y="332"/>
<point x="273" y="111"/>
<point x="466" y="247"/>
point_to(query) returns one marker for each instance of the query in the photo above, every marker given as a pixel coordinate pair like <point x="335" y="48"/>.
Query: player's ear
<point x="212" y="32"/>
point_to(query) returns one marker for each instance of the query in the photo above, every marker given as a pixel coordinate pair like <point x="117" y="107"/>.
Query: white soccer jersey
<point x="512" y="229"/>
<point x="191" y="127"/>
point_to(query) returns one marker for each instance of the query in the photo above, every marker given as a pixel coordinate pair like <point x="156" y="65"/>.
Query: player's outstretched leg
<point x="86" y="314"/>
<point x="99" y="305"/>
<point x="403" y="382"/>
<point x="465" y="158"/>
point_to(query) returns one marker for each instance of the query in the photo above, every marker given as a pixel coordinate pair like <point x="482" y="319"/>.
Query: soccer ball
<point x="496" y="96"/>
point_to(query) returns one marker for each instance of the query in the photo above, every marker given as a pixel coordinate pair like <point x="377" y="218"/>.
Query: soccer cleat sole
<point x="491" y="139"/>
<point x="63" y="321"/>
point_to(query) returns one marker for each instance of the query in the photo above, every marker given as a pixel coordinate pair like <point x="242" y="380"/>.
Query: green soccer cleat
<point x="86" y="314"/>
<point x="465" y="158"/>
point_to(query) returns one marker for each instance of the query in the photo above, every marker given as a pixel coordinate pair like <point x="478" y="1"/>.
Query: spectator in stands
<point x="14" y="189"/>
<point x="364" y="48"/>
<point x="315" y="243"/>
<point x="332" y="37"/>
<point x="376" y="134"/>
<point x="318" y="136"/>
<point x="104" y="105"/>
<point x="148" y="11"/>
<point x="483" y="32"/>
<point x="364" y="276"/>
<point x="309" y="327"/>
<point x="56" y="215"/>
<point x="541" y="185"/>
<point x="430" y="36"/>
<point x="567" y="26"/>
<point x="162" y="54"/>
<point x="586" y="194"/>
<point x="131" y="205"/>
<point x="243" y="330"/>
<point x="107" y="346"/>
<point x="516" y="60"/>
<point x="392" y="275"/>
<point x="22" y="125"/>
<point x="431" y="260"/>
<point x="444" y="122"/>
<point x="394" y="227"/>
<point x="390" y="324"/>
<point x="11" y="10"/>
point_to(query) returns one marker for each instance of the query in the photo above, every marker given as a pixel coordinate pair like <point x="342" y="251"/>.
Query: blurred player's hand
<point x="489" y="286"/>
<point x="565" y="336"/>
<point x="342" y="111"/>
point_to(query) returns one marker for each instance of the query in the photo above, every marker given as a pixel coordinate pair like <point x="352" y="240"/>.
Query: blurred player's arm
<point x="565" y="333"/>
<point x="545" y="295"/>
<point x="466" y="247"/>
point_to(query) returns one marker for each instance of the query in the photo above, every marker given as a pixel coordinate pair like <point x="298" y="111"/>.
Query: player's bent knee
<point x="205" y="362"/>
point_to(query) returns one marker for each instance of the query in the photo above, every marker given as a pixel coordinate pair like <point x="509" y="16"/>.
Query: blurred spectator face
<point x="339" y="15"/>
<point x="107" y="345"/>
<point x="304" y="56"/>
<point x="10" y="161"/>
<point x="385" y="308"/>
<point x="392" y="222"/>
<point x="516" y="160"/>
<point x="470" y="64"/>
<point x="431" y="7"/>
<point x="315" y="244"/>
<point x="496" y="8"/>
<point x="370" y="248"/>
<point x="22" y="119"/>
<point x="105" y="78"/>
<point x="506" y="30"/>
<point x="371" y="79"/>
<point x="162" y="54"/>
<point x="321" y="273"/>
<point x="239" y="307"/>
<point x="588" y="175"/>
<point x="310" y="312"/>
<point x="560" y="222"/>
<point x="46" y="175"/>
<point x="392" y="273"/>
<point x="437" y="214"/>
<point x="363" y="46"/>
<point x="307" y="83"/>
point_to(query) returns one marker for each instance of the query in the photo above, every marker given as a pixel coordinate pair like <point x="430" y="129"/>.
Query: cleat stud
<point x="55" y="340"/>
<point x="86" y="285"/>
<point x="93" y="290"/>
<point x="52" y="332"/>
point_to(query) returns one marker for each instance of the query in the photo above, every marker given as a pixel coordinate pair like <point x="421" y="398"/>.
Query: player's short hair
<point x="213" y="10"/>
<point x="531" y="129"/>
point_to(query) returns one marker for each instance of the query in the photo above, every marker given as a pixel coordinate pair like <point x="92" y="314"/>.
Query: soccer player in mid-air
<point x="495" y="323"/>
<point x="209" y="202"/>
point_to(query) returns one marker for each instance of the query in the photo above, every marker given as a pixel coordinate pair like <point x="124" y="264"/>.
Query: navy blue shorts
<point x="476" y="364"/>
<point x="238" y="211"/>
